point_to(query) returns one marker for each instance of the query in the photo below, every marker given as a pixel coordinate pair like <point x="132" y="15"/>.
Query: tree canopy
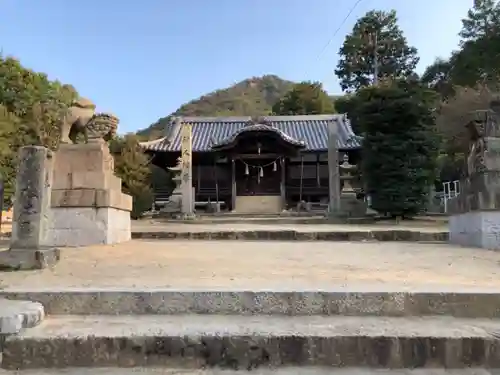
<point x="375" y="34"/>
<point x="31" y="107"/>
<point x="31" y="110"/>
<point x="477" y="61"/>
<point x="305" y="98"/>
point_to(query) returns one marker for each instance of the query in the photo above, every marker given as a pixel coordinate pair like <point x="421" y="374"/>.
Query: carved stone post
<point x="187" y="170"/>
<point x="31" y="222"/>
<point x="475" y="212"/>
<point x="334" y="208"/>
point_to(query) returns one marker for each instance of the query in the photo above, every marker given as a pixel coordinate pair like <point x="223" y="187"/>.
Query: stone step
<point x="16" y="315"/>
<point x="246" y="342"/>
<point x="294" y="235"/>
<point x="276" y="371"/>
<point x="341" y="301"/>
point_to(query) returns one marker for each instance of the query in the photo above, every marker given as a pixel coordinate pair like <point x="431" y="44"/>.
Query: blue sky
<point x="142" y="59"/>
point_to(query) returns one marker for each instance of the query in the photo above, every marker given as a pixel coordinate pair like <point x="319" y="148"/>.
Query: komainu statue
<point x="82" y="119"/>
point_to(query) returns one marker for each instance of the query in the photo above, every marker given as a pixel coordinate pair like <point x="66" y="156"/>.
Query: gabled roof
<point x="259" y="128"/>
<point x="311" y="130"/>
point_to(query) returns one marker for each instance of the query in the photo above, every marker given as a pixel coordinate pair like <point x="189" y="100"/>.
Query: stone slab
<point x="104" y="180"/>
<point x="16" y="315"/>
<point x="256" y="204"/>
<point x="294" y="235"/>
<point x="259" y="371"/>
<point x="28" y="259"/>
<point x="285" y="303"/>
<point x="197" y="341"/>
<point x="91" y="198"/>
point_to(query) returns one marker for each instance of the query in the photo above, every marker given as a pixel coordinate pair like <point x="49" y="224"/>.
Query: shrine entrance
<point x="257" y="153"/>
<point x="258" y="176"/>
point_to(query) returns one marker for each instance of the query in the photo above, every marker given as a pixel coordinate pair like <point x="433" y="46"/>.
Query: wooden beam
<point x="258" y="156"/>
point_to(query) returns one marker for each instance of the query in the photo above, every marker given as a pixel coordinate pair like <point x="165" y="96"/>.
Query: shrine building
<point x="259" y="165"/>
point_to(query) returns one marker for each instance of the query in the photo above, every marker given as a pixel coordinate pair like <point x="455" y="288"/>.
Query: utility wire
<point x="335" y="34"/>
<point x="340" y="26"/>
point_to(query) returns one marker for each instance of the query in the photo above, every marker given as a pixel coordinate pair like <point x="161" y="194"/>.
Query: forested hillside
<point x="252" y="97"/>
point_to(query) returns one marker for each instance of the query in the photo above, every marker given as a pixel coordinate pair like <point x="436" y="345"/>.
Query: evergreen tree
<point x="400" y="146"/>
<point x="478" y="60"/>
<point x="132" y="166"/>
<point x="376" y="33"/>
<point x="482" y="21"/>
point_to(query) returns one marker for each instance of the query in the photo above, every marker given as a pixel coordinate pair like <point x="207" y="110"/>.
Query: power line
<point x="337" y="31"/>
<point x="340" y="26"/>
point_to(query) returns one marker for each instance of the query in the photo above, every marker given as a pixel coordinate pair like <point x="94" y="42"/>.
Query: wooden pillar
<point x="282" y="183"/>
<point x="318" y="181"/>
<point x="233" y="184"/>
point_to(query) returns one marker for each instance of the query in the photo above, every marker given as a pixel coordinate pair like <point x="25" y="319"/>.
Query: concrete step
<point x="280" y="371"/>
<point x="465" y="303"/>
<point x="247" y="342"/>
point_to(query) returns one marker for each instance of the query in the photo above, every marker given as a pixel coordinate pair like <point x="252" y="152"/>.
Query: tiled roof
<point x="260" y="128"/>
<point x="209" y="131"/>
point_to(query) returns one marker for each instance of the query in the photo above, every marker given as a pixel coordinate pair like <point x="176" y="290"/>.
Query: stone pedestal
<point x="30" y="245"/>
<point x="88" y="206"/>
<point x="350" y="206"/>
<point x="475" y="212"/>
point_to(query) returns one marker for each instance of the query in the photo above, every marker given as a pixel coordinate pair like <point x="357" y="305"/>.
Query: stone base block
<point x="476" y="229"/>
<point x="259" y="204"/>
<point x="28" y="259"/>
<point x="352" y="207"/>
<point x="85" y="226"/>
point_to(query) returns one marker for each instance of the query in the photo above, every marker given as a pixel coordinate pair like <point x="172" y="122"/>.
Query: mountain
<point x="251" y="97"/>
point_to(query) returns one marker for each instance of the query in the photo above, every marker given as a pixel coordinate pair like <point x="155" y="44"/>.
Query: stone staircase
<point x="268" y="332"/>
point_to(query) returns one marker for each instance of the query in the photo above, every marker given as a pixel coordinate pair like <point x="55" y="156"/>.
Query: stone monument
<point x="475" y="212"/>
<point x="334" y="208"/>
<point x="186" y="170"/>
<point x="87" y="204"/>
<point x="30" y="227"/>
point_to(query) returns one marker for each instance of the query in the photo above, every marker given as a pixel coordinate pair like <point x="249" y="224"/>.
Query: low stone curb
<point x="16" y="315"/>
<point x="159" y="302"/>
<point x="292" y="235"/>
